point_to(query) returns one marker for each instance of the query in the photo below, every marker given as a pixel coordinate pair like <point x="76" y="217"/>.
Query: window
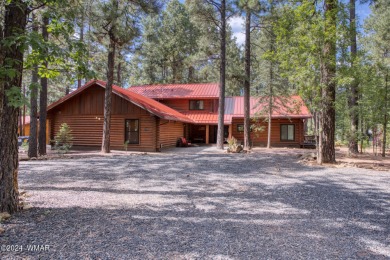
<point x="287" y="132"/>
<point x="132" y="131"/>
<point x="196" y="105"/>
<point x="240" y="128"/>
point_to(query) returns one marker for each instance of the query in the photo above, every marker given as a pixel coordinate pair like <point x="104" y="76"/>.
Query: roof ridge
<point x="152" y="106"/>
<point x="173" y="84"/>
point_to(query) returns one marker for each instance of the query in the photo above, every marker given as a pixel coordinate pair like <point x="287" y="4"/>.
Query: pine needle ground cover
<point x="199" y="206"/>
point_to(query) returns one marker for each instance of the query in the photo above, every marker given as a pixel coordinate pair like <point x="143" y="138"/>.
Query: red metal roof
<point x="146" y="103"/>
<point x="211" y="118"/>
<point x="291" y="107"/>
<point x="176" y="91"/>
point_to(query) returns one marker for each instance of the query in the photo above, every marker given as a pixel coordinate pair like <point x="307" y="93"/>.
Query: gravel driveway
<point x="199" y="206"/>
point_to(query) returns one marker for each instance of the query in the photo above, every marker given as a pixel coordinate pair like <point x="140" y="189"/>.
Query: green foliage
<point x="15" y="97"/>
<point x="375" y="69"/>
<point x="300" y="36"/>
<point x="63" y="139"/>
<point x="126" y="144"/>
<point x="180" y="46"/>
<point x="24" y="145"/>
<point x="232" y="144"/>
<point x="257" y="126"/>
<point x="169" y="42"/>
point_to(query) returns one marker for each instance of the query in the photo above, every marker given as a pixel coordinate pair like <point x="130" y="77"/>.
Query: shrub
<point x="63" y="139"/>
<point x="233" y="146"/>
<point x="24" y="146"/>
<point x="126" y="144"/>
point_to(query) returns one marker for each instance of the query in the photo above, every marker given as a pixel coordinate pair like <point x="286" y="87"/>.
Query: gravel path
<point x="199" y="206"/>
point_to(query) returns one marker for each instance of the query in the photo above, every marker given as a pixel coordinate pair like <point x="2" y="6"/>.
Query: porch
<point x="205" y="134"/>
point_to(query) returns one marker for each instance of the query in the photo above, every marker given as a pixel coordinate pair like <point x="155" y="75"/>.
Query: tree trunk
<point x="119" y="73"/>
<point x="174" y="72"/>
<point x="353" y="98"/>
<point x="24" y="112"/>
<point x="107" y="97"/>
<point x="43" y="97"/>
<point x="270" y="105"/>
<point x="33" y="145"/>
<point x="247" y="130"/>
<point x="191" y="71"/>
<point x="271" y="94"/>
<point x="319" y="138"/>
<point x="82" y="41"/>
<point x="328" y="95"/>
<point x="222" y="75"/>
<point x="385" y="119"/>
<point x="10" y="56"/>
<point x="269" y="121"/>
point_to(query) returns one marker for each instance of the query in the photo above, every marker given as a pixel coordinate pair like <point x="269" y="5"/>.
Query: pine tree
<point x="43" y="91"/>
<point x="306" y="50"/>
<point x="247" y="6"/>
<point x="34" y="86"/>
<point x="11" y="58"/>
<point x="354" y="95"/>
<point x="117" y="21"/>
<point x="169" y="42"/>
<point x="377" y="43"/>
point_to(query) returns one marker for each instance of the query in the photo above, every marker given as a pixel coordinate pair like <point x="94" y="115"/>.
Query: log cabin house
<point x="153" y="117"/>
<point x="26" y="127"/>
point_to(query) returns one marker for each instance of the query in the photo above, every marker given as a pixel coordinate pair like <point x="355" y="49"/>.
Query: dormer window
<point x="196" y="105"/>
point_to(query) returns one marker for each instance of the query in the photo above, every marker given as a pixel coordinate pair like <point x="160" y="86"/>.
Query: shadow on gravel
<point x="172" y="207"/>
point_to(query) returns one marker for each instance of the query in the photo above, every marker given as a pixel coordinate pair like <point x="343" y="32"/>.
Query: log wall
<point x="84" y="114"/>
<point x="169" y="132"/>
<point x="183" y="105"/>
<point x="260" y="138"/>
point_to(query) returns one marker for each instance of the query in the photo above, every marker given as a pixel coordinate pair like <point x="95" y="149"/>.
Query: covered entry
<point x="214" y="132"/>
<point x="206" y="133"/>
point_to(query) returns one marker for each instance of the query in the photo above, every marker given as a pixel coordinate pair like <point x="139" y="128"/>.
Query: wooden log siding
<point x="183" y="105"/>
<point x="84" y="114"/>
<point x="260" y="138"/>
<point x="169" y="132"/>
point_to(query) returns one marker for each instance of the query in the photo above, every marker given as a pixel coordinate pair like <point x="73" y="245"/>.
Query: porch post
<point x="231" y="130"/>
<point x="207" y="134"/>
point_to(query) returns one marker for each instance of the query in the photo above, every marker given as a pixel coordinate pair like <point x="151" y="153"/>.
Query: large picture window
<point x="132" y="131"/>
<point x="196" y="105"/>
<point x="287" y="132"/>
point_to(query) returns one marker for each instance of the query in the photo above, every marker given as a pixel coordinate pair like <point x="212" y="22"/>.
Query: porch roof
<point x="283" y="107"/>
<point x="211" y="118"/>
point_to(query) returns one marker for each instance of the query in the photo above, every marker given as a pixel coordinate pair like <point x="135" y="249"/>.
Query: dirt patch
<point x="367" y="160"/>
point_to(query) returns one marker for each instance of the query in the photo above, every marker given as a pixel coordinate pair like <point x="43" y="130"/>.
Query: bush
<point x="233" y="146"/>
<point x="63" y="139"/>
<point x="126" y="144"/>
<point x="24" y="145"/>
